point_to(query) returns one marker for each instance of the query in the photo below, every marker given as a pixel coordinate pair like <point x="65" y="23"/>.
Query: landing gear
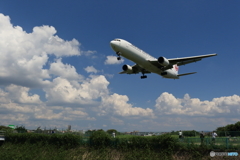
<point x="118" y="53"/>
<point x="143" y="76"/>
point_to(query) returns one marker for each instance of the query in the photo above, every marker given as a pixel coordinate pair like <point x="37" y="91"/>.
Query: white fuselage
<point x="139" y="57"/>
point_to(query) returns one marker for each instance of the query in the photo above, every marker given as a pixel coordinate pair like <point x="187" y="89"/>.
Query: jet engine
<point x="163" y="61"/>
<point x="127" y="68"/>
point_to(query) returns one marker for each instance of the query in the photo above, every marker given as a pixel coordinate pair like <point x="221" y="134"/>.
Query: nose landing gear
<point x="119" y="54"/>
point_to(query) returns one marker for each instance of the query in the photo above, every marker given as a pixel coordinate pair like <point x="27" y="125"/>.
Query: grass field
<point x="39" y="151"/>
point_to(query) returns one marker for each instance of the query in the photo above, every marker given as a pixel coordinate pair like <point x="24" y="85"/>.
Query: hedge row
<point x="66" y="140"/>
<point x="101" y="139"/>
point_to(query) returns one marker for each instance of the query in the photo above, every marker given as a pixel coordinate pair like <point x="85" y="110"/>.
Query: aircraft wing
<point x="186" y="60"/>
<point x="134" y="70"/>
<point x="181" y="61"/>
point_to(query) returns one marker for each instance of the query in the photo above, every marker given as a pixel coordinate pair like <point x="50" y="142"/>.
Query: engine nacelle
<point x="163" y="61"/>
<point x="127" y="68"/>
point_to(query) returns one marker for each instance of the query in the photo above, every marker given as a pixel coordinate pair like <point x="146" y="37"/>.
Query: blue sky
<point x="55" y="71"/>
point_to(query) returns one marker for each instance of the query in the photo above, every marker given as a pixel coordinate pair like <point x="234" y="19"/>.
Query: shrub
<point x="165" y="143"/>
<point x="21" y="129"/>
<point x="100" y="139"/>
<point x="60" y="140"/>
<point x="138" y="142"/>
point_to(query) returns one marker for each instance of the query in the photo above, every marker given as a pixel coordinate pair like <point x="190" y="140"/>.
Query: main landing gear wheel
<point x="119" y="58"/>
<point x="142" y="77"/>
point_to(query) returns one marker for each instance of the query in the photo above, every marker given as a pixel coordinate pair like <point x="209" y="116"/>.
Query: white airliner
<point x="145" y="63"/>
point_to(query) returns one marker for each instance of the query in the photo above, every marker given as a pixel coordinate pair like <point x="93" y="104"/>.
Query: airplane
<point x="145" y="63"/>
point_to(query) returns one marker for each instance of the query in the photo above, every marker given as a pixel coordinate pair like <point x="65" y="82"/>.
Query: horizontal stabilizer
<point x="186" y="74"/>
<point x="123" y="72"/>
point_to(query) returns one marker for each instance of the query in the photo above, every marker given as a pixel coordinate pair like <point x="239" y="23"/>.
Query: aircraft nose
<point x="113" y="44"/>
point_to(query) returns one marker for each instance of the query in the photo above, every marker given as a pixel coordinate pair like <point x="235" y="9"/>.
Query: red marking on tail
<point x="176" y="67"/>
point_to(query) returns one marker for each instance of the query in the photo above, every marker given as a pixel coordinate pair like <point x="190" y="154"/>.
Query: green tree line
<point x="229" y="130"/>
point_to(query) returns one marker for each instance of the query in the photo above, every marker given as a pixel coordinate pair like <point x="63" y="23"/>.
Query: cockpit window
<point x="117" y="40"/>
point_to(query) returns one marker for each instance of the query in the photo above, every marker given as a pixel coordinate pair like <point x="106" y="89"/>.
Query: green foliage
<point x="139" y="142"/>
<point x="21" y="129"/>
<point x="66" y="140"/>
<point x="196" y="151"/>
<point x="100" y="139"/>
<point x="192" y="133"/>
<point x="164" y="144"/>
<point x="229" y="130"/>
<point x="110" y="131"/>
<point x="28" y="151"/>
<point x="6" y="129"/>
<point x="88" y="133"/>
<point x="174" y="133"/>
<point x="3" y="128"/>
<point x="102" y="146"/>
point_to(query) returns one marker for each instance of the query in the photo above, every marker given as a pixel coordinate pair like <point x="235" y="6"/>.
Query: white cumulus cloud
<point x="64" y="91"/>
<point x="113" y="60"/>
<point x="24" y="55"/>
<point x="166" y="103"/>
<point x="117" y="104"/>
<point x="21" y="94"/>
<point x="90" y="69"/>
<point x="17" y="106"/>
<point x="66" y="71"/>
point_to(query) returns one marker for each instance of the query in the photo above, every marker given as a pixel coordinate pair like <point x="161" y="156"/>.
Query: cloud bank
<point x="167" y="104"/>
<point x="25" y="54"/>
